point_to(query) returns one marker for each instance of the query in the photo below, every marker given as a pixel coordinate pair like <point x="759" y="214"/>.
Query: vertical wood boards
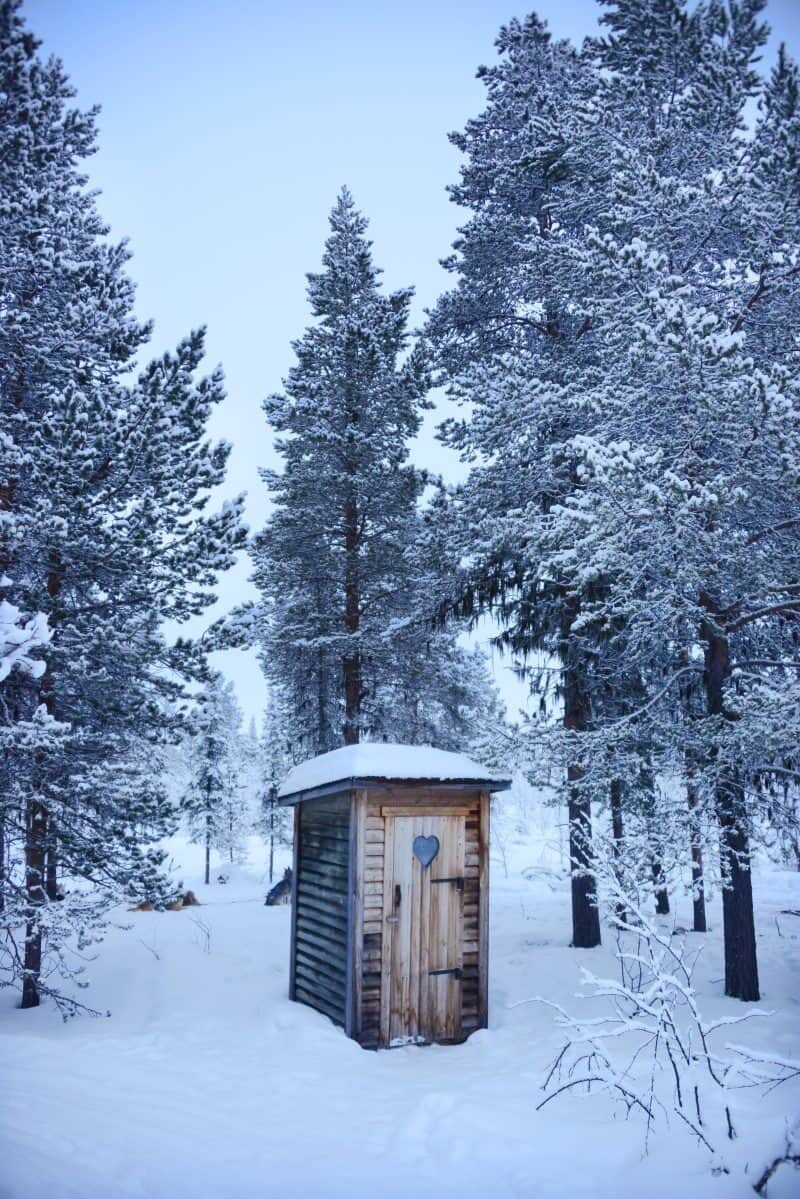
<point x="403" y="941"/>
<point x="441" y="917"/>
<point x="423" y="917"/>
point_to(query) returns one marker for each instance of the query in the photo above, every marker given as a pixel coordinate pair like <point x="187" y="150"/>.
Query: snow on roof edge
<point x="385" y="760"/>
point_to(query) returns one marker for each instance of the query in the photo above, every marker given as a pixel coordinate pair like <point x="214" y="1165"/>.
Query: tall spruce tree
<point x="347" y="631"/>
<point x="507" y="337"/>
<point x="273" y="822"/>
<point x="624" y="325"/>
<point x="690" y="472"/>
<point x="102" y="497"/>
<point x="214" y="802"/>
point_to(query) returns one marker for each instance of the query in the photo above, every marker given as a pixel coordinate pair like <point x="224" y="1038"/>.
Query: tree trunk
<point x="741" y="962"/>
<point x="323" y="741"/>
<point x="660" y="888"/>
<point x="698" y="884"/>
<point x="741" y="965"/>
<point x="51" y="869"/>
<point x="618" y="832"/>
<point x="7" y="492"/>
<point x="352" y="689"/>
<point x="585" y="914"/>
<point x="271" y="838"/>
<point x="208" y="855"/>
<point x="352" y="661"/>
<point x="35" y="842"/>
<point x="2" y="860"/>
<point x="660" y="892"/>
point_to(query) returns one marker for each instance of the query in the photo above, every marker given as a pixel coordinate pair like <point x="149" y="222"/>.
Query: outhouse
<point x="390" y="901"/>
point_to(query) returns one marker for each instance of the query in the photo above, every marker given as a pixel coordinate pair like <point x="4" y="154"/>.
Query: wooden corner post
<point x="293" y="944"/>
<point x="483" y="913"/>
<point x="355" y="934"/>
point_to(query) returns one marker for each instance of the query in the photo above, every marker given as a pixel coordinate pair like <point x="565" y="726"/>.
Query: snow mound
<point x="384" y="760"/>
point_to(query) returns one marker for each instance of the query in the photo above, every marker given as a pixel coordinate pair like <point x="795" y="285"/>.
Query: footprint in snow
<point x="421" y="1132"/>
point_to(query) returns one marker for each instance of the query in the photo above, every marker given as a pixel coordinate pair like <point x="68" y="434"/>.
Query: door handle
<point x="456" y="972"/>
<point x="393" y="918"/>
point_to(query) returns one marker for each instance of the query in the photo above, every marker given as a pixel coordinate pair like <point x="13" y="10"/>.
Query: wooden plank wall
<point x="473" y="1001"/>
<point x="320" y="941"/>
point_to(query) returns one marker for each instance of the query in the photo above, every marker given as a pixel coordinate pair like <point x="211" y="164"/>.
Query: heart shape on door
<point x="425" y="849"/>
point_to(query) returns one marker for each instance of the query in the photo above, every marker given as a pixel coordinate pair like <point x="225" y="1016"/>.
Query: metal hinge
<point x="456" y="970"/>
<point x="459" y="882"/>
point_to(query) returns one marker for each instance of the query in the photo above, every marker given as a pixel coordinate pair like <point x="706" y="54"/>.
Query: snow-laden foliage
<point x="215" y="801"/>
<point x="272" y="762"/>
<point x="349" y="568"/>
<point x="18" y="639"/>
<point x="642" y="1038"/>
<point x="624" y="327"/>
<point x="105" y="476"/>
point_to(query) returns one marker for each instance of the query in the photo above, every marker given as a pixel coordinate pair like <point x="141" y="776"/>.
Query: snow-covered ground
<point x="207" y="1082"/>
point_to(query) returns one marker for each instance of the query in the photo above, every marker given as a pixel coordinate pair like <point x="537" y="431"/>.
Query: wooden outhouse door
<point x="423" y="919"/>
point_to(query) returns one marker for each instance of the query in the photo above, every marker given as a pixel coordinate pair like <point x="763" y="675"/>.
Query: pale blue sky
<point x="226" y="131"/>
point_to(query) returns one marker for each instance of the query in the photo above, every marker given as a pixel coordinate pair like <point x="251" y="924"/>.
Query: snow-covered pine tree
<point x="249" y="768"/>
<point x="508" y="337"/>
<point x="431" y="688"/>
<point x="103" y="528"/>
<point x="273" y="823"/>
<point x="236" y="815"/>
<point x="690" y="472"/>
<point x="20" y="638"/>
<point x="625" y="247"/>
<point x="214" y="803"/>
<point x="347" y="623"/>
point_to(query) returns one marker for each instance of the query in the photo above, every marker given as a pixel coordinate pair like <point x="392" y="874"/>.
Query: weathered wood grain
<point x="483" y="916"/>
<point x="331" y="941"/>
<point x="427" y="933"/>
<point x="423" y="809"/>
<point x="321" y="913"/>
<point x="387" y="932"/>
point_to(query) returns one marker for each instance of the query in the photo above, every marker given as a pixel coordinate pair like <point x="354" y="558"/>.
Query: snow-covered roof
<point x="377" y="761"/>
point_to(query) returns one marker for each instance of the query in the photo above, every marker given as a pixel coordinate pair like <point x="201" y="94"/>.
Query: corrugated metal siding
<point x="321" y="916"/>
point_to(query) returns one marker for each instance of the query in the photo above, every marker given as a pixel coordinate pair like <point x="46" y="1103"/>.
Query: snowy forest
<point x="614" y="362"/>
